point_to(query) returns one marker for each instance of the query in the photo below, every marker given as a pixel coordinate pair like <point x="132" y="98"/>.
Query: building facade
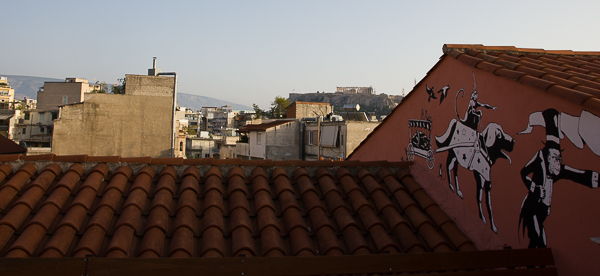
<point x="7" y="94"/>
<point x="275" y="140"/>
<point x="136" y="123"/>
<point x="301" y="110"/>
<point x="334" y="139"/>
<point x="55" y="94"/>
<point x="511" y="134"/>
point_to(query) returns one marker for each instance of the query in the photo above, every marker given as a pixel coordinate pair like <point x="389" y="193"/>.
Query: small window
<point x="24" y="130"/>
<point x="42" y="117"/>
<point x="65" y="99"/>
<point x="27" y="116"/>
<point x="180" y="146"/>
<point x="207" y="155"/>
<point x="42" y="129"/>
<point x="54" y="116"/>
<point x="258" y="138"/>
<point x="310" y="137"/>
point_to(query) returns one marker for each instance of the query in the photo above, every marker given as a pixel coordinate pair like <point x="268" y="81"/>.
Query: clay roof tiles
<point x="570" y="74"/>
<point x="70" y="207"/>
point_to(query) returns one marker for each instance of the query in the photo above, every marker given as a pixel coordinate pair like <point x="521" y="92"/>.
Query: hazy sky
<point x="251" y="51"/>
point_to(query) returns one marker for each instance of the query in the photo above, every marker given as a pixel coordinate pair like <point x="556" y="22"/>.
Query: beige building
<point x="301" y="110"/>
<point x="7" y="94"/>
<point x="54" y="94"/>
<point x="275" y="140"/>
<point x="33" y="127"/>
<point x="139" y="122"/>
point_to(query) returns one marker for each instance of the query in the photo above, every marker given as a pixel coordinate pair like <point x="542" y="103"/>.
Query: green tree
<point x="258" y="113"/>
<point x="120" y="88"/>
<point x="100" y="87"/>
<point x="278" y="107"/>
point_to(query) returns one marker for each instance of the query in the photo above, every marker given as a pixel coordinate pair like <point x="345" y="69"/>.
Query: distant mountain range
<point x="27" y="86"/>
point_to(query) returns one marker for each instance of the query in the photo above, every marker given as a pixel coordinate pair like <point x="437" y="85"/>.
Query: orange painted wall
<point x="575" y="209"/>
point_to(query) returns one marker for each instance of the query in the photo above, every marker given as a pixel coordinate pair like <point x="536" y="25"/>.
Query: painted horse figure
<point x="477" y="152"/>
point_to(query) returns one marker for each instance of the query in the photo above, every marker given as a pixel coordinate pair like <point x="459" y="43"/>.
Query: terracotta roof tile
<point x="175" y="210"/>
<point x="568" y="74"/>
<point x="103" y="159"/>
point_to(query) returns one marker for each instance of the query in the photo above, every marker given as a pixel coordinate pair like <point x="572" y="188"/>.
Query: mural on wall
<point x="443" y="92"/>
<point x="546" y="167"/>
<point x="474" y="150"/>
<point x="420" y="143"/>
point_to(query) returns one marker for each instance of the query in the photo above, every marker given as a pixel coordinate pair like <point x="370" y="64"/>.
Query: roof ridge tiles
<point x="41" y="157"/>
<point x="10" y="157"/>
<point x="136" y="160"/>
<point x="70" y="158"/>
<point x="170" y="161"/>
<point x="103" y="159"/>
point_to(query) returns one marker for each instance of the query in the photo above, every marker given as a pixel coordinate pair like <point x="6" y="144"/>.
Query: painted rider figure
<point x="473" y="116"/>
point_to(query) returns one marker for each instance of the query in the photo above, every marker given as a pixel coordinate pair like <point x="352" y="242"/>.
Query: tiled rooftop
<point x="570" y="74"/>
<point x="264" y="126"/>
<point x="76" y="206"/>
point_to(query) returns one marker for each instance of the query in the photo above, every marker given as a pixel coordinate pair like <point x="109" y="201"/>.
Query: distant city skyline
<point x="252" y="51"/>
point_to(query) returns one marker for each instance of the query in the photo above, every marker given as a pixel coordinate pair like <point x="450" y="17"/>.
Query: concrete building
<point x="333" y="138"/>
<point x="199" y="147"/>
<point x="301" y="110"/>
<point x="7" y="94"/>
<point x="275" y="140"/>
<point x="139" y="122"/>
<point x="55" y="94"/>
<point x="34" y="128"/>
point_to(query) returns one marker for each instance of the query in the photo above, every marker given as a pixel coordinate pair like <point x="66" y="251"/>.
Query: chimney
<point x="153" y="71"/>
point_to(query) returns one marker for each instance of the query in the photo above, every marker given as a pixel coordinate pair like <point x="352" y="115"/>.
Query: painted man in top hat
<point x="543" y="171"/>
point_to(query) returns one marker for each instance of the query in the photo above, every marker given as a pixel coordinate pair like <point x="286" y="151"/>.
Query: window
<point x="42" y="129"/>
<point x="207" y="155"/>
<point x="310" y="137"/>
<point x="24" y="130"/>
<point x="258" y="137"/>
<point x="180" y="146"/>
<point x="54" y="116"/>
<point x="42" y="117"/>
<point x="65" y="99"/>
<point x="27" y="116"/>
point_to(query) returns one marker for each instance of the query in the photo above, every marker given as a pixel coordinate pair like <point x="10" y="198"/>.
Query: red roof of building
<point x="572" y="75"/>
<point x="85" y="207"/>
<point x="263" y="126"/>
<point x="8" y="146"/>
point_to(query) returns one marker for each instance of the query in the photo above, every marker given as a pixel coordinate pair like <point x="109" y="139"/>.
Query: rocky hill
<point x="381" y="104"/>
